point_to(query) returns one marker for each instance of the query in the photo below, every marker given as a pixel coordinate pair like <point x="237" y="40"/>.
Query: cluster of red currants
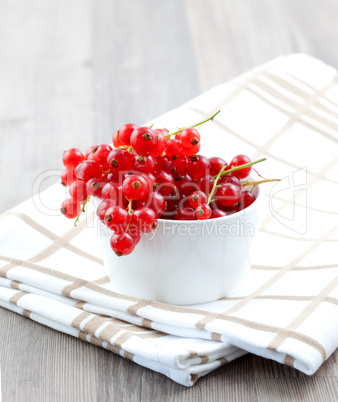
<point x="149" y="175"/>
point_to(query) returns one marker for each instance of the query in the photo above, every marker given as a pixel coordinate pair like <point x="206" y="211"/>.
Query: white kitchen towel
<point x="286" y="110"/>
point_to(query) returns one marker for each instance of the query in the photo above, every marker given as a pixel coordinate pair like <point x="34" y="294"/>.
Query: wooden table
<point x="73" y="71"/>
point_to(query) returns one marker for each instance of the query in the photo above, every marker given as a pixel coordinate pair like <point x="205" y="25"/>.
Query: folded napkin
<point x="287" y="310"/>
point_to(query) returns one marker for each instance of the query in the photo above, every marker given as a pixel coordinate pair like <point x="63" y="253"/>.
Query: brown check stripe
<point x="308" y="111"/>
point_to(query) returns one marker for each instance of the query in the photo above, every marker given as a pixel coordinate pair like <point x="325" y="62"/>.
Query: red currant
<point x="229" y="178"/>
<point x="103" y="207"/>
<point x="185" y="214"/>
<point x="247" y="198"/>
<point x="143" y="140"/>
<point x="72" y="158"/>
<point x="205" y="183"/>
<point x="70" y="208"/>
<point x="78" y="191"/>
<point x="112" y="191"/>
<point x="198" y="166"/>
<point x="160" y="142"/>
<point x="94" y="187"/>
<point x="238" y="161"/>
<point x="180" y="164"/>
<point x="135" y="187"/>
<point x="197" y="198"/>
<point x="162" y="162"/>
<point x="216" y="165"/>
<point x="116" y="139"/>
<point x="191" y="151"/>
<point x="67" y="177"/>
<point x="122" y="244"/>
<point x="120" y="160"/>
<point x="164" y="183"/>
<point x="125" y="133"/>
<point x="88" y="170"/>
<point x="144" y="164"/>
<point x="203" y="212"/>
<point x="173" y="149"/>
<point x="147" y="220"/>
<point x="190" y="137"/>
<point x="116" y="219"/>
<point x="184" y="184"/>
<point x="228" y="194"/>
<point x="99" y="154"/>
<point x="218" y="213"/>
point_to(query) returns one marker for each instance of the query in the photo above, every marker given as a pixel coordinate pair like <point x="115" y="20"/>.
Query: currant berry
<point x="229" y="178"/>
<point x="198" y="166"/>
<point x="180" y="164"/>
<point x="116" y="140"/>
<point x="99" y="154"/>
<point x="173" y="149"/>
<point x="120" y="160"/>
<point x="147" y="220"/>
<point x="78" y="191"/>
<point x="67" y="177"/>
<point x="135" y="187"/>
<point x="70" y="208"/>
<point x="184" y="184"/>
<point x="185" y="214"/>
<point x="122" y="244"/>
<point x="116" y="219"/>
<point x="240" y="160"/>
<point x="88" y="170"/>
<point x="103" y="208"/>
<point x="164" y="183"/>
<point x="191" y="151"/>
<point x="197" y="198"/>
<point x="218" y="213"/>
<point x="89" y="151"/>
<point x="190" y="137"/>
<point x="216" y="165"/>
<point x="205" y="183"/>
<point x="143" y="140"/>
<point x="112" y="191"/>
<point x="125" y="133"/>
<point x="228" y="194"/>
<point x="203" y="212"/>
<point x="160" y="142"/>
<point x="72" y="158"/>
<point x="162" y="162"/>
<point x="94" y="187"/>
<point x="247" y="198"/>
<point x="144" y="164"/>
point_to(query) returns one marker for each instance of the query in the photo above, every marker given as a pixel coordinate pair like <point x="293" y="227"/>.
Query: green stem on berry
<point x="215" y="185"/>
<point x="234" y="169"/>
<point x="82" y="211"/>
<point x="194" y="125"/>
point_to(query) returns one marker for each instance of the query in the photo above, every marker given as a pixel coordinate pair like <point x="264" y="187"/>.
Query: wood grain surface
<point x="71" y="72"/>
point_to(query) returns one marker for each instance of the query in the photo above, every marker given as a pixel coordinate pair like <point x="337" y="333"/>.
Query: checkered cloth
<point x="287" y="310"/>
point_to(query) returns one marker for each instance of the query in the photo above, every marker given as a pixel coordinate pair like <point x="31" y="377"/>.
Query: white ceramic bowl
<point x="186" y="262"/>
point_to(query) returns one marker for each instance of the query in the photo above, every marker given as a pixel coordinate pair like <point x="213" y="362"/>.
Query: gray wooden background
<point x="71" y="72"/>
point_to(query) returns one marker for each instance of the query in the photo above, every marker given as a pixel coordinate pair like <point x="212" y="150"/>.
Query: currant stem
<point x="194" y="125"/>
<point x="82" y="210"/>
<point x="234" y="169"/>
<point x="215" y="185"/>
<point x="130" y="211"/>
<point x="255" y="183"/>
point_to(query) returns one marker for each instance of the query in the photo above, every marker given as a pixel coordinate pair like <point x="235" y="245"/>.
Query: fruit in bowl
<point x="182" y="222"/>
<point x="151" y="175"/>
